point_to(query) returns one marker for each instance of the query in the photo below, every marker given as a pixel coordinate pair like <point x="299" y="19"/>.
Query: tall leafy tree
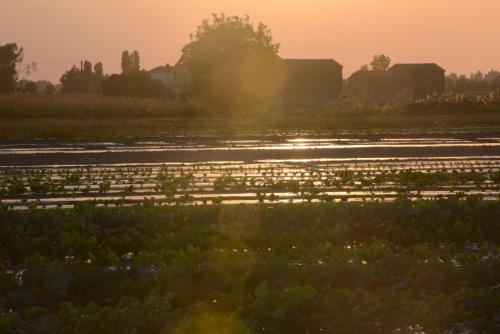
<point x="10" y="56"/>
<point x="49" y="89"/>
<point x="136" y="61"/>
<point x="87" y="67"/>
<point x="133" y="84"/>
<point x="231" y="60"/>
<point x="130" y="61"/>
<point x="364" y="68"/>
<point x="30" y="87"/>
<point x="495" y="84"/>
<point x="98" y="69"/>
<point x="380" y="62"/>
<point x="126" y="62"/>
<point x="491" y="75"/>
<point x="85" y="81"/>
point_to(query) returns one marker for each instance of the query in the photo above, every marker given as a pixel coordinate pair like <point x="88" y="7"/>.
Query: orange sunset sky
<point x="460" y="35"/>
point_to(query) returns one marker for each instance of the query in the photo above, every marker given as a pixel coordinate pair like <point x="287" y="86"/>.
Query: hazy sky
<point x="460" y="35"/>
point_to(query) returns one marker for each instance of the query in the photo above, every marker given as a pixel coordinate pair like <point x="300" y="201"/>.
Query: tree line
<point x="88" y="78"/>
<point x="476" y="82"/>
<point x="230" y="61"/>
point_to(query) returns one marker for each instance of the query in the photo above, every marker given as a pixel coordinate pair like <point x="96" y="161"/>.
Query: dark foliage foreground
<point x="403" y="267"/>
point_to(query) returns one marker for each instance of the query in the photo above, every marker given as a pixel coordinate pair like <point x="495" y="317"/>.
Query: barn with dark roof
<point x="400" y="82"/>
<point x="312" y="79"/>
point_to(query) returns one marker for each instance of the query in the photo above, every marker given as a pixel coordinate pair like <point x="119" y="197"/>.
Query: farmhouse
<point x="400" y="82"/>
<point x="306" y="79"/>
<point x="177" y="78"/>
<point x="162" y="74"/>
<point x="312" y="79"/>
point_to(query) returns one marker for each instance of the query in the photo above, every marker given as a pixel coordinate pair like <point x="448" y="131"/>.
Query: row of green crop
<point x="404" y="178"/>
<point x="170" y="183"/>
<point x="303" y="268"/>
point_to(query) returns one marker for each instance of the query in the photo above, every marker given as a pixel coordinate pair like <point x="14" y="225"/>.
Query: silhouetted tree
<point x="364" y="68"/>
<point x="133" y="84"/>
<point x="136" y="62"/>
<point x="87" y="67"/>
<point x="83" y="81"/>
<point x="450" y="81"/>
<point x="98" y="69"/>
<point x="130" y="61"/>
<point x="232" y="61"/>
<point x="452" y="77"/>
<point x="71" y="80"/>
<point x="126" y="64"/>
<point x="472" y="84"/>
<point x="380" y="62"/>
<point x="476" y="82"/>
<point x="491" y="76"/>
<point x="30" y="87"/>
<point x="461" y="83"/>
<point x="26" y="87"/>
<point x="49" y="89"/>
<point x="478" y="76"/>
<point x="495" y="84"/>
<point x="10" y="56"/>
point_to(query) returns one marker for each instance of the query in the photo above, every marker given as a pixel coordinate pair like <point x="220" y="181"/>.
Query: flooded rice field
<point x="184" y="170"/>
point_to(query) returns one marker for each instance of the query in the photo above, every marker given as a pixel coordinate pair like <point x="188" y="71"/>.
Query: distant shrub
<point x="133" y="84"/>
<point x="85" y="80"/>
<point x="83" y="106"/>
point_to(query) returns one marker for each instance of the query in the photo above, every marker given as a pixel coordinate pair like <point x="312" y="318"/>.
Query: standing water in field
<point x="249" y="170"/>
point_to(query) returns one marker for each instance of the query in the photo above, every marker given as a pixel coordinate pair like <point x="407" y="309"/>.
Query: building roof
<point x="416" y="67"/>
<point x="368" y="73"/>
<point x="398" y="68"/>
<point x="169" y="69"/>
<point x="311" y="62"/>
<point x="159" y="69"/>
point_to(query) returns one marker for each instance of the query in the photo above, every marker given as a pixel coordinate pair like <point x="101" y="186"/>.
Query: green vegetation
<point x="92" y="106"/>
<point x="78" y="107"/>
<point x="10" y="57"/>
<point x="233" y="63"/>
<point x="131" y="61"/>
<point x="101" y="118"/>
<point x="178" y="184"/>
<point x="85" y="80"/>
<point x="133" y="84"/>
<point x="430" y="266"/>
<point x="380" y="62"/>
<point x="477" y="82"/>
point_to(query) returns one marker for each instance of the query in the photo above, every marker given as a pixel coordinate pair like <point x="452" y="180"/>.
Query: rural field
<point x="315" y="230"/>
<point x="251" y="169"/>
<point x="246" y="167"/>
<point x="427" y="266"/>
<point x="97" y="118"/>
